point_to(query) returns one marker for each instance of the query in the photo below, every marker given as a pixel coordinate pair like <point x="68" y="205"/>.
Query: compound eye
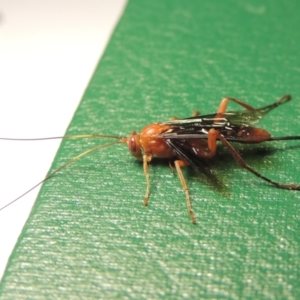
<point x="134" y="145"/>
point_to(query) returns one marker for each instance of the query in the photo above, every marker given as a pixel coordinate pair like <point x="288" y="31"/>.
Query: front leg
<point x="146" y="160"/>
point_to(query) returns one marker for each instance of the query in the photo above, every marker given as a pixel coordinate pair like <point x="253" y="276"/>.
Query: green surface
<point x="89" y="235"/>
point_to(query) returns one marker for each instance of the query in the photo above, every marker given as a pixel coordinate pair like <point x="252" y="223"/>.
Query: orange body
<point x="150" y="143"/>
<point x="153" y="145"/>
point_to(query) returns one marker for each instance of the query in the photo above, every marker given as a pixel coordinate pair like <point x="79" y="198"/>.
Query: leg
<point x="242" y="163"/>
<point x="146" y="160"/>
<point x="205" y="149"/>
<point x="224" y="103"/>
<point x="282" y="100"/>
<point x="195" y="113"/>
<point x="178" y="165"/>
<point x="171" y="167"/>
<point x="263" y="110"/>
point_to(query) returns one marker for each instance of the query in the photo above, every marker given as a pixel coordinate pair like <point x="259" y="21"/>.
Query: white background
<point x="48" y="52"/>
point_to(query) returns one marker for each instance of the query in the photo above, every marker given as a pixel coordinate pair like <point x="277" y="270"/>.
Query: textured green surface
<point x="90" y="237"/>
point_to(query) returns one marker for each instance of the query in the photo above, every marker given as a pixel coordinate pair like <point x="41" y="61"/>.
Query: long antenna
<point x="121" y="140"/>
<point x="80" y="136"/>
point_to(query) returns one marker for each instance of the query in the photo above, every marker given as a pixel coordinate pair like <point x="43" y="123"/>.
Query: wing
<point x="183" y="151"/>
<point x="244" y="117"/>
<point x="240" y="118"/>
<point x="198" y="128"/>
<point x="234" y="125"/>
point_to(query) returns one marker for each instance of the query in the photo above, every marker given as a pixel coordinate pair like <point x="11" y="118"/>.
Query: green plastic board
<point x="89" y="236"/>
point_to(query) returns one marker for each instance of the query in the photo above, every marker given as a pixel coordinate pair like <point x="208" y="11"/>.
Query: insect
<point x="191" y="141"/>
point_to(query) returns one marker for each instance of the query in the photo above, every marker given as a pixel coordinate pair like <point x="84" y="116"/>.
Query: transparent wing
<point x="244" y="117"/>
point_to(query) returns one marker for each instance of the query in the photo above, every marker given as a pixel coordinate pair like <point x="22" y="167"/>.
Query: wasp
<point x="191" y="141"/>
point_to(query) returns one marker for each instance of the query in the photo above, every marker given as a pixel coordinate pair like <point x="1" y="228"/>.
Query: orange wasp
<point x="191" y="141"/>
